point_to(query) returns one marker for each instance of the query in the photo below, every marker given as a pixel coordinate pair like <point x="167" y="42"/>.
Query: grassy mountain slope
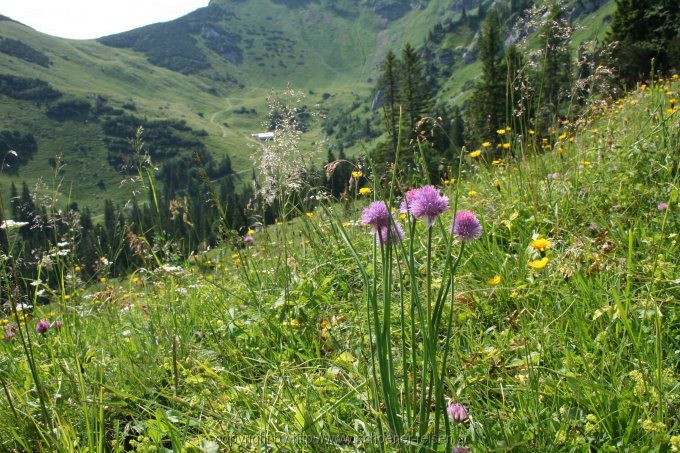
<point x="213" y="69"/>
<point x="568" y="348"/>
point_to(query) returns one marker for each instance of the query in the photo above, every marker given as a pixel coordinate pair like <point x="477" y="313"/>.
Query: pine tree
<point x="488" y="104"/>
<point x="555" y="78"/>
<point x="415" y="94"/>
<point x="388" y="83"/>
<point x="645" y="30"/>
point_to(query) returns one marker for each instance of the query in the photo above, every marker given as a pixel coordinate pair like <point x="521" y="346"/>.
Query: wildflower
<point x="465" y="226"/>
<point x="476" y="153"/>
<point x="662" y="206"/>
<point x="506" y="145"/>
<point x="364" y="191"/>
<point x="376" y="215"/>
<point x="472" y="193"/>
<point x="251" y="231"/>
<point x="448" y="182"/>
<point x="459" y="449"/>
<point x="309" y="214"/>
<point x="457" y="412"/>
<point x="103" y="280"/>
<point x="497" y="184"/>
<point x="249" y="239"/>
<point x="562" y="136"/>
<point x="357" y="174"/>
<point x="42" y="327"/>
<point x="57" y="324"/>
<point x="405" y="206"/>
<point x="486" y="144"/>
<point x="429" y="204"/>
<point x="496" y="162"/>
<point x="538" y="264"/>
<point x="396" y="234"/>
<point x="540" y="244"/>
<point x="77" y="268"/>
<point x="500" y="131"/>
<point x="553" y="176"/>
<point x="532" y="132"/>
<point x="495" y="280"/>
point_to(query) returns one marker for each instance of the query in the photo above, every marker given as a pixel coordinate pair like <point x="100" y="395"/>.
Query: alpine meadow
<point x="344" y="225"/>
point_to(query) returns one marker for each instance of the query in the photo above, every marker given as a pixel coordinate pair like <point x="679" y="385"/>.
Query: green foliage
<point x="16" y="48"/>
<point x="645" y="30"/>
<point x="27" y="89"/>
<point x="75" y="110"/>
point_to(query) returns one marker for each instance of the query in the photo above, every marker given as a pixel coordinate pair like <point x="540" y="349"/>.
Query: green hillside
<point x="213" y="70"/>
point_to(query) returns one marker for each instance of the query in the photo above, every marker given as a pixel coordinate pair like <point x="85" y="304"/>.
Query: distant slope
<point x="212" y="69"/>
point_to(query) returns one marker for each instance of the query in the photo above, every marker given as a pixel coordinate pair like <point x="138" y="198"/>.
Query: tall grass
<point x="316" y="338"/>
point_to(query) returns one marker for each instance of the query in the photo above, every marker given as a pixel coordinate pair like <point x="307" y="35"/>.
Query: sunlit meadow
<point x="530" y="303"/>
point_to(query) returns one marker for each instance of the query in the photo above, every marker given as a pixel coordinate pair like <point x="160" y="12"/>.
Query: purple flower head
<point x="248" y="239"/>
<point x="42" y="327"/>
<point x="376" y="215"/>
<point x="396" y="234"/>
<point x="662" y="206"/>
<point x="457" y="412"/>
<point x="428" y="204"/>
<point x="57" y="324"/>
<point x="460" y="449"/>
<point x="466" y="227"/>
<point x="553" y="176"/>
<point x="405" y="206"/>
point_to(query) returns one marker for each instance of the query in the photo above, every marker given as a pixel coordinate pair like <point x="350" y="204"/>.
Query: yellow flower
<point x="103" y="279"/>
<point x="541" y="244"/>
<point x="494" y="280"/>
<point x="309" y="214"/>
<point x="345" y="224"/>
<point x="675" y="77"/>
<point x="486" y="144"/>
<point x="562" y="137"/>
<point x="476" y="153"/>
<point x="365" y="191"/>
<point x="497" y="184"/>
<point x="506" y="145"/>
<point x="472" y="193"/>
<point x="251" y="231"/>
<point x="501" y="131"/>
<point x="532" y="132"/>
<point x="448" y="182"/>
<point x="571" y="139"/>
<point x="538" y="264"/>
<point x="585" y="163"/>
<point x="77" y="268"/>
<point x="357" y="174"/>
<point x="403" y="216"/>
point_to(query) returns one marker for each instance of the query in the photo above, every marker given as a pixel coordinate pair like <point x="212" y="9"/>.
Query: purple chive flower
<point x="466" y="226"/>
<point x="42" y="327"/>
<point x="457" y="412"/>
<point x="249" y="239"/>
<point x="396" y="234"/>
<point x="662" y="206"/>
<point x="57" y="324"/>
<point x="376" y="215"/>
<point x="460" y="449"/>
<point x="405" y="206"/>
<point x="428" y="204"/>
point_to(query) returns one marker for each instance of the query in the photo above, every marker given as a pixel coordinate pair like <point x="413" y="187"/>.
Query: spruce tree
<point x="415" y="94"/>
<point x="388" y="83"/>
<point x="645" y="30"/>
<point x="488" y="104"/>
<point x="555" y="77"/>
